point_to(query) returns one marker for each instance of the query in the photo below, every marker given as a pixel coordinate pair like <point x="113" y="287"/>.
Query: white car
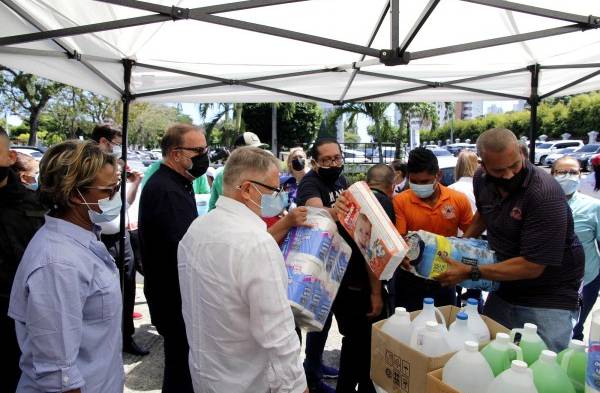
<point x="32" y="152"/>
<point x="355" y="157"/>
<point x="547" y="148"/>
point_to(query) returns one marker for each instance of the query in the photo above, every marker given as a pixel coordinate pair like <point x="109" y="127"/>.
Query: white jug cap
<point x="503" y="337"/>
<point x="530" y="328"/>
<point x="548" y="356"/>
<point x="577" y="345"/>
<point x="518" y="366"/>
<point x="431" y="325"/>
<point x="399" y="310"/>
<point x="471" y="346"/>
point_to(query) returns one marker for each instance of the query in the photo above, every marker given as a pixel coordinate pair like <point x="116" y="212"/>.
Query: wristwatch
<point x="475" y="273"/>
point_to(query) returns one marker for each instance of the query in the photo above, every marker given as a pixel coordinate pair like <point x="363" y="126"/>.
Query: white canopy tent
<point x="333" y="51"/>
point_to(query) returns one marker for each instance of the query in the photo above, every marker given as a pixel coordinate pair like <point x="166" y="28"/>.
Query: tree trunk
<point x="34" y="123"/>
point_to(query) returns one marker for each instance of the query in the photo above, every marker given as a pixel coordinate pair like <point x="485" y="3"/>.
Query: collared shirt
<point x="449" y="213"/>
<point x="238" y="319"/>
<point x="465" y="185"/>
<point x="586" y="217"/>
<point x="66" y="303"/>
<point x="534" y="223"/>
<point x="167" y="209"/>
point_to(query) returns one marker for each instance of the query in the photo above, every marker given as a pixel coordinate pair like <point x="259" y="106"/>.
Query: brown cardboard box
<point x="398" y="368"/>
<point x="435" y="384"/>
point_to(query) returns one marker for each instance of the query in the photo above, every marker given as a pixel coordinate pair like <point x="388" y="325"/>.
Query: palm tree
<point x="373" y="110"/>
<point x="223" y="112"/>
<point x="425" y="111"/>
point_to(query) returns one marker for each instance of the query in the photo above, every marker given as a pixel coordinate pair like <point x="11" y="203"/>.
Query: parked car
<point x="32" y="151"/>
<point x="551" y="158"/>
<point x="549" y="147"/>
<point x="447" y="163"/>
<point x="583" y="154"/>
<point x="456" y="148"/>
<point x="389" y="154"/>
<point x="354" y="157"/>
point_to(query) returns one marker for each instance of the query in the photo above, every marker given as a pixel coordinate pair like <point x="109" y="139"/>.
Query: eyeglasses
<point x="200" y="150"/>
<point x="565" y="173"/>
<point x="112" y="190"/>
<point x="276" y="191"/>
<point x="329" y="161"/>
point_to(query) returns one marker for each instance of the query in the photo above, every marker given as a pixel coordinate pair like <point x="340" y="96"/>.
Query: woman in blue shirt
<point x="586" y="219"/>
<point x="66" y="299"/>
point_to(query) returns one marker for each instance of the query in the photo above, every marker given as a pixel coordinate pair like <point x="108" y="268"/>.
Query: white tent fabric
<point x="222" y="53"/>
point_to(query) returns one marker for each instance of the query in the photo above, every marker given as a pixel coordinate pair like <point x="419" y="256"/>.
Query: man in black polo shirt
<point x="359" y="299"/>
<point x="530" y="227"/>
<point x="167" y="208"/>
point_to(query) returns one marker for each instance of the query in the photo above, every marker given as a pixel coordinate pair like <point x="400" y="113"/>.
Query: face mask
<point x="298" y="164"/>
<point x="400" y="186"/>
<point x="569" y="183"/>
<point x="111" y="208"/>
<point x="271" y="206"/>
<point x="422" y="190"/>
<point x="33" y="186"/>
<point x="199" y="165"/>
<point x="3" y="173"/>
<point x="511" y="185"/>
<point x="116" y="151"/>
<point x="330" y="174"/>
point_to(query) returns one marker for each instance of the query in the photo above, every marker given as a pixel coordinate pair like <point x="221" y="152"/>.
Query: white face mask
<point x="116" y="150"/>
<point x="423" y="191"/>
<point x="110" y="207"/>
<point x="569" y="183"/>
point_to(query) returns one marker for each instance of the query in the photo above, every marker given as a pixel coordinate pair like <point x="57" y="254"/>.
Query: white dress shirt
<point x="238" y="319"/>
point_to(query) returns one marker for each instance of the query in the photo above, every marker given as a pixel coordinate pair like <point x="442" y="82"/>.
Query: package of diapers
<point x="374" y="233"/>
<point x="425" y="261"/>
<point x="316" y="259"/>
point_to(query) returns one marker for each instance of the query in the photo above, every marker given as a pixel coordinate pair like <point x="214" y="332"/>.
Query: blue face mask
<point x="271" y="206"/>
<point x="569" y="183"/>
<point x="32" y="186"/>
<point x="111" y="208"/>
<point x="423" y="191"/>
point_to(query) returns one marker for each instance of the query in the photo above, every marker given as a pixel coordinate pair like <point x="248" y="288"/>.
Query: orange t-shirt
<point x="451" y="212"/>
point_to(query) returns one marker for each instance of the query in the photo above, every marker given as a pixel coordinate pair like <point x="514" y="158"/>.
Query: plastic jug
<point x="548" y="376"/>
<point x="431" y="341"/>
<point x="500" y="353"/>
<point x="574" y="361"/>
<point x="531" y="343"/>
<point x="476" y="323"/>
<point x="427" y="314"/>
<point x="459" y="332"/>
<point x="468" y="371"/>
<point x="398" y="325"/>
<point x="592" y="376"/>
<point x="517" y="379"/>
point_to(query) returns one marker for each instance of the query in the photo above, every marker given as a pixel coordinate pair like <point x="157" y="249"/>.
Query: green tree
<point x="425" y="111"/>
<point x="27" y="95"/>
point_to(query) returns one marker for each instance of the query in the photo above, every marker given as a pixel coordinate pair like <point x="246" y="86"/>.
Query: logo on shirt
<point x="448" y="212"/>
<point x="516" y="214"/>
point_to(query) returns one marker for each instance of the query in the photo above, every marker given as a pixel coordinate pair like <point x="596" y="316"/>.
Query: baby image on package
<point x="373" y="232"/>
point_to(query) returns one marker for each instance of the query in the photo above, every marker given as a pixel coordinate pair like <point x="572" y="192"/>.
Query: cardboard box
<point x="398" y="368"/>
<point x="435" y="384"/>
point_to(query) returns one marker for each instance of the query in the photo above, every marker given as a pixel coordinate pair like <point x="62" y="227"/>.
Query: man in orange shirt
<point x="428" y="206"/>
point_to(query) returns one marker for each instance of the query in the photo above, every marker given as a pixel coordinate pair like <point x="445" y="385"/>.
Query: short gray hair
<point x="563" y="159"/>
<point x="245" y="162"/>
<point x="496" y="140"/>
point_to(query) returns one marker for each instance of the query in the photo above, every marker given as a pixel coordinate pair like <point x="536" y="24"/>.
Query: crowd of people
<point x="216" y="285"/>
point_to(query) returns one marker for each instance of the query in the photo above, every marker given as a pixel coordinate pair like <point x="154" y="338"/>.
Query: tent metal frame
<point x="397" y="55"/>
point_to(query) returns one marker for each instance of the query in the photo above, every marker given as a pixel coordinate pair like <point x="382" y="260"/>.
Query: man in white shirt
<point x="233" y="283"/>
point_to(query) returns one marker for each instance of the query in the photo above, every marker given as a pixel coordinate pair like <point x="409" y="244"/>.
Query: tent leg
<point x="534" y="100"/>
<point x="126" y="98"/>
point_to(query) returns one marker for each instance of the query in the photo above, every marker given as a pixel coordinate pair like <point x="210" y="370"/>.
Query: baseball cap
<point x="248" y="139"/>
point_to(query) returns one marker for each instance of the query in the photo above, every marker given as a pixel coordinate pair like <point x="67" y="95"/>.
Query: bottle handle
<point x="518" y="350"/>
<point x="514" y="332"/>
<point x="439" y="314"/>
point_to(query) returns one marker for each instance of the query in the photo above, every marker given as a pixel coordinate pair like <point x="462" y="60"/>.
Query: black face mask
<point x="199" y="165"/>
<point x="331" y="174"/>
<point x="511" y="185"/>
<point x="3" y="173"/>
<point x="298" y="164"/>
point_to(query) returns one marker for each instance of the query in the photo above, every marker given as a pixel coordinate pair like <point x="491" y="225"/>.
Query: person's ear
<point x="12" y="157"/>
<point x="76" y="198"/>
<point x="438" y="176"/>
<point x="313" y="164"/>
<point x="245" y="190"/>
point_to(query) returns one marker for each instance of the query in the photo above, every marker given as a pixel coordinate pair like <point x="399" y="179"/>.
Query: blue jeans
<point x="554" y="325"/>
<point x="590" y="295"/>
<point x="315" y="345"/>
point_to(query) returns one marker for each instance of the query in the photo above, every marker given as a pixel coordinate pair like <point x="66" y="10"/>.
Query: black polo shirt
<point x="167" y="209"/>
<point x="535" y="223"/>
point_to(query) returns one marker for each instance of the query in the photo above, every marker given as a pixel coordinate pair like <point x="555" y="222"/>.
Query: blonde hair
<point x="68" y="166"/>
<point x="293" y="151"/>
<point x="246" y="160"/>
<point x="466" y="165"/>
<point x="25" y="164"/>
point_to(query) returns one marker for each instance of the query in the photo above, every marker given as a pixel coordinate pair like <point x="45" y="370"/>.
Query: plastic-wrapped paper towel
<point x="425" y="261"/>
<point x="316" y="259"/>
<point x="370" y="227"/>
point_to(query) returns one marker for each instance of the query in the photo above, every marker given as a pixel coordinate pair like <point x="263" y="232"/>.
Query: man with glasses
<point x="234" y="287"/>
<point x="167" y="208"/>
<point x="109" y="140"/>
<point x="359" y="300"/>
<point x="586" y="219"/>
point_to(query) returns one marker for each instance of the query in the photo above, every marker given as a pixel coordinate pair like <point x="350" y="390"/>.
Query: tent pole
<point x="534" y="100"/>
<point x="126" y="98"/>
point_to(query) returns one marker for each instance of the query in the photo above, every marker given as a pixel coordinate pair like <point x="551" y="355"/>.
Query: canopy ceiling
<point x="201" y="51"/>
